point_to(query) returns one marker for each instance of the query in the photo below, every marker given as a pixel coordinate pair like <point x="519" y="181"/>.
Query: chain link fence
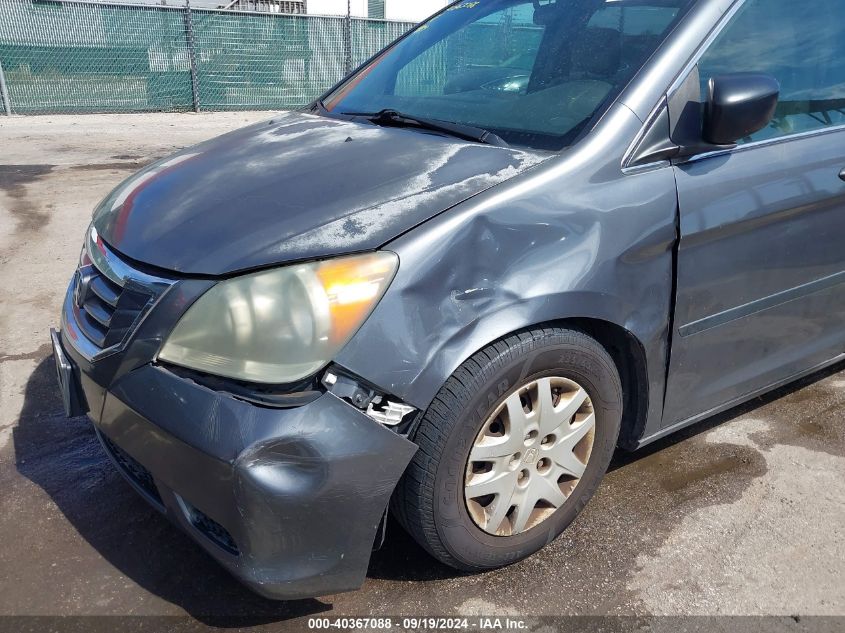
<point x="78" y="56"/>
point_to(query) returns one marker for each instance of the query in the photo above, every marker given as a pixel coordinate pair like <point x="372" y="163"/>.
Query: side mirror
<point x="738" y="105"/>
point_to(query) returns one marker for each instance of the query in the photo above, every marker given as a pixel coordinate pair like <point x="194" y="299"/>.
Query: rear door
<point x="761" y="263"/>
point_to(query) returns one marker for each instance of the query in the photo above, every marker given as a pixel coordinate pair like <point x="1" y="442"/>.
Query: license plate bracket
<point x="71" y="390"/>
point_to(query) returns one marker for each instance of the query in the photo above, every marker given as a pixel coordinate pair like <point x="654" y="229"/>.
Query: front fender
<point x="575" y="238"/>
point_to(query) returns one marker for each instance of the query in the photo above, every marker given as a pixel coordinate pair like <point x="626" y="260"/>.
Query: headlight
<point x="281" y="325"/>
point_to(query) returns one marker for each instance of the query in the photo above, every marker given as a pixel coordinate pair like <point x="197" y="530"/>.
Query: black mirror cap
<point x="738" y="105"/>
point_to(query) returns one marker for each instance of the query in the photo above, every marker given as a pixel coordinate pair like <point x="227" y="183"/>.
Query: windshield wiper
<point x="394" y="118"/>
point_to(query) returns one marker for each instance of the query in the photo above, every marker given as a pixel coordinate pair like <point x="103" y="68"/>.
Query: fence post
<point x="347" y="37"/>
<point x="192" y="55"/>
<point x="4" y="92"/>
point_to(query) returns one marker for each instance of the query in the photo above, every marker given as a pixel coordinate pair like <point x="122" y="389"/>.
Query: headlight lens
<point x="281" y="325"/>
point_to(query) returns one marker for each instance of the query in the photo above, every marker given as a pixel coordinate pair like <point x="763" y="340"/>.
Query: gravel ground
<point x="742" y="515"/>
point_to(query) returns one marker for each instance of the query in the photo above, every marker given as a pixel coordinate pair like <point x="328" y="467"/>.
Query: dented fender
<point x="553" y="243"/>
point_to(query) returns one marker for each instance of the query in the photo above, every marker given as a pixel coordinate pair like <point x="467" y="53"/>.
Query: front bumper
<point x="287" y="500"/>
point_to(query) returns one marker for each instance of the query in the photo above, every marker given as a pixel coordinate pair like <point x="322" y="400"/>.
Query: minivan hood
<point x="299" y="187"/>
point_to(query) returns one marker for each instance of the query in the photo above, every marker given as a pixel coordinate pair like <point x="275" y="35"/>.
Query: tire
<point x="430" y="499"/>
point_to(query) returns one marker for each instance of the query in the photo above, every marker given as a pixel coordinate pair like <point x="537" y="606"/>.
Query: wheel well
<point x="630" y="359"/>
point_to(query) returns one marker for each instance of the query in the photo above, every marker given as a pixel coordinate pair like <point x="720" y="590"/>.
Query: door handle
<point x="842" y="175"/>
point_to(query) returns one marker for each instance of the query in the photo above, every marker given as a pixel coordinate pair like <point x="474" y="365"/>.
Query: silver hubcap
<point x="529" y="456"/>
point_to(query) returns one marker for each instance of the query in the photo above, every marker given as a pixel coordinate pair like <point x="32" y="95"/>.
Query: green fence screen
<point x="66" y="56"/>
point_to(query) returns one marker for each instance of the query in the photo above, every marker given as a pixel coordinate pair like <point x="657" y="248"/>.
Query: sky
<point x="406" y="10"/>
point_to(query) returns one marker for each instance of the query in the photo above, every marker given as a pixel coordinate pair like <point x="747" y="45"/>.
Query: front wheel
<point x="512" y="448"/>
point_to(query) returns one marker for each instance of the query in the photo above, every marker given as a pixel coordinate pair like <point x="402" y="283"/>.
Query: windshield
<point x="532" y="72"/>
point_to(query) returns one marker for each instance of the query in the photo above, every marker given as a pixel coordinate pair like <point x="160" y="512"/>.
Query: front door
<point x="761" y="261"/>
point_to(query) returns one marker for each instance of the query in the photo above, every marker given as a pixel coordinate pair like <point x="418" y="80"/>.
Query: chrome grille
<point x="104" y="310"/>
<point x="107" y="300"/>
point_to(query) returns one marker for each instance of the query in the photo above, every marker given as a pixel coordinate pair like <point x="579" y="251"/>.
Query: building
<point x="403" y="10"/>
<point x="263" y="6"/>
<point x="399" y="10"/>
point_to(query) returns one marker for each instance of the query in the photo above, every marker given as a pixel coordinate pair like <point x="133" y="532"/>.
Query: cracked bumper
<point x="289" y="501"/>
